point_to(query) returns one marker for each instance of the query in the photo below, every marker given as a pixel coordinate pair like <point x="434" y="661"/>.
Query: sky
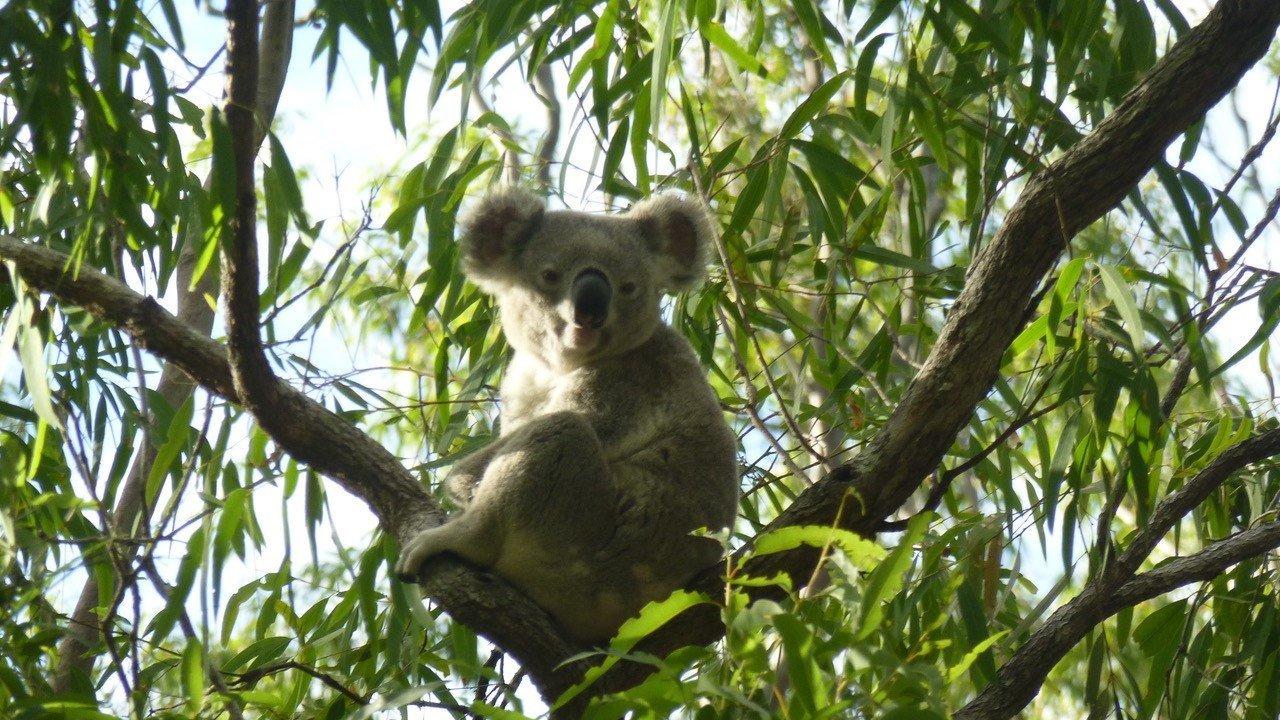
<point x="341" y="136"/>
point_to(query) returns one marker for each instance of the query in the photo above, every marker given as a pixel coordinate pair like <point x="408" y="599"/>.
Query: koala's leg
<point x="546" y="483"/>
<point x="551" y="482"/>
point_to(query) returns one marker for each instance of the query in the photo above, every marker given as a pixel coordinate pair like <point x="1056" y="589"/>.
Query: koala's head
<point x="575" y="287"/>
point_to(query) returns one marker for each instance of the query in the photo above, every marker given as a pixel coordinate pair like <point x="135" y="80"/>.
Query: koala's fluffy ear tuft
<point x="495" y="231"/>
<point x="681" y="234"/>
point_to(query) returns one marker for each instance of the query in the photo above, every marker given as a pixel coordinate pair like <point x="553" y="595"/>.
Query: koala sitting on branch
<point x="613" y="447"/>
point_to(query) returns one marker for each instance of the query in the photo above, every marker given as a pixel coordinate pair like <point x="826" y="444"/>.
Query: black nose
<point x="590" y="296"/>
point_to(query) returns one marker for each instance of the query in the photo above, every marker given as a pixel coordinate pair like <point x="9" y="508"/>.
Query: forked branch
<point x="1019" y="679"/>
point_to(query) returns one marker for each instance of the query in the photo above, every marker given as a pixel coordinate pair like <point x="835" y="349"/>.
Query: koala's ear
<point x="680" y="233"/>
<point x="495" y="231"/>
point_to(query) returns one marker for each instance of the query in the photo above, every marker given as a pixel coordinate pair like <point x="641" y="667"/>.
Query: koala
<point x="613" y="447"/>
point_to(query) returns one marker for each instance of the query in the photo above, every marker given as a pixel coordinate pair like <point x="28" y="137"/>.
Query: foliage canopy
<point x="859" y="155"/>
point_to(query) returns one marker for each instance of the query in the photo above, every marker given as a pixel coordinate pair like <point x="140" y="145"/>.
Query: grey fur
<point x="613" y="446"/>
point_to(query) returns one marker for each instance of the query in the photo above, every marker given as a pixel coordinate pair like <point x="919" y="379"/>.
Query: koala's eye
<point x="550" y="277"/>
<point x="627" y="288"/>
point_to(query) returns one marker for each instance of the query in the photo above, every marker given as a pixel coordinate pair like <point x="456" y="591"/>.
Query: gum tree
<point x="978" y="266"/>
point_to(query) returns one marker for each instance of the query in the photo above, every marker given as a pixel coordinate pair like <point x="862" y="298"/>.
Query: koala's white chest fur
<point x="628" y="417"/>
<point x="527" y="391"/>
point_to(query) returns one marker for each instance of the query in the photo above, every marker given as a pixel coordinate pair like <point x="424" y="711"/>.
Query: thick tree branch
<point x="330" y="444"/>
<point x="255" y="381"/>
<point x="1019" y="679"/>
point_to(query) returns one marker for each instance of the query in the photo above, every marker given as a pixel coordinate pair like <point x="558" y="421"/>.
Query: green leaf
<point x="651" y="617"/>
<point x="662" y="52"/>
<point x="192" y="561"/>
<point x="715" y="33"/>
<point x="955" y="672"/>
<point x="808" y="691"/>
<point x="1269" y="306"/>
<point x="861" y="551"/>
<point x="1119" y="292"/>
<point x="36" y="374"/>
<point x="811" y="20"/>
<point x="887" y="579"/>
<point x="818" y="101"/>
<point x="262" y="652"/>
<point x="193" y="675"/>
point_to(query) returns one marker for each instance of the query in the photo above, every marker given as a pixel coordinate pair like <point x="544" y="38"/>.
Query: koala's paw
<point x="460" y="486"/>
<point x="428" y="543"/>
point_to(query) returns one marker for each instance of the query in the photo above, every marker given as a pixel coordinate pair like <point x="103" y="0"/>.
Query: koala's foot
<point x="463" y="536"/>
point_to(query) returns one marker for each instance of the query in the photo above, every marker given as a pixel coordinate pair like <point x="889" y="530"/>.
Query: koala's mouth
<point x="584" y="339"/>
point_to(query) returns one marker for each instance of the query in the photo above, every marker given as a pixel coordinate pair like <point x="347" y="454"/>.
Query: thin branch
<point x="1019" y="679"/>
<point x="189" y="632"/>
<point x="510" y="160"/>
<point x="246" y="681"/>
<point x="545" y="88"/>
<point x="1202" y="566"/>
<point x="939" y="490"/>
<point x="1180" y="502"/>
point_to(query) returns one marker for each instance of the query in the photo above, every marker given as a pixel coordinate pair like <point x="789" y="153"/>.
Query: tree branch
<point x="131" y="514"/>
<point x="1200" y="567"/>
<point x="1019" y="679"/>
<point x="1182" y="501"/>
<point x="1086" y="182"/>
<point x="545" y="88"/>
<point x="254" y="379"/>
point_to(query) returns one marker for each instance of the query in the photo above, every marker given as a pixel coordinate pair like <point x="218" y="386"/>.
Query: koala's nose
<point x="590" y="294"/>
